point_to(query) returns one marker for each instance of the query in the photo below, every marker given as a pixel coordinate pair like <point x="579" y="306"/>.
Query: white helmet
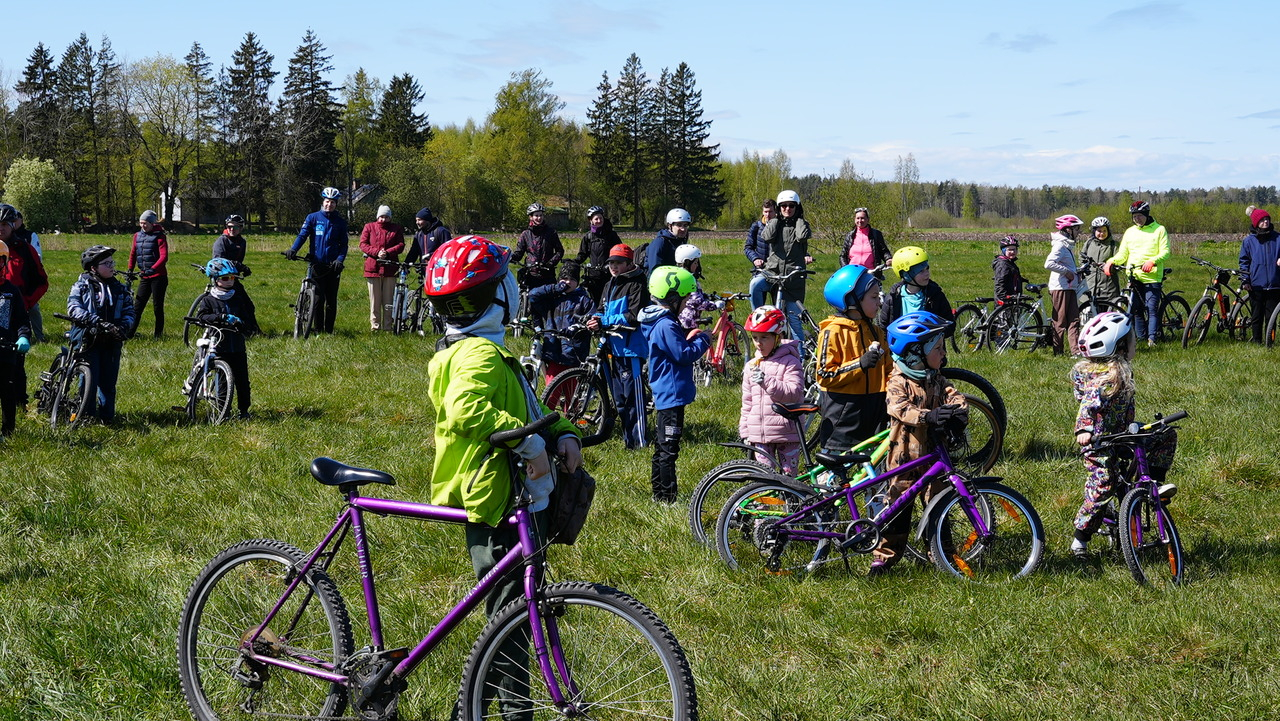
<point x="687" y="252"/>
<point x="788" y="196"/>
<point x="678" y="215"/>
<point x="1100" y="336"/>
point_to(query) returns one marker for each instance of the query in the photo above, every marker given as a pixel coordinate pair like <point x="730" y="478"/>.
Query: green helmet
<point x="669" y="283"/>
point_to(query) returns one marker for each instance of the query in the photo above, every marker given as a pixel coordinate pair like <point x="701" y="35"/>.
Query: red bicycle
<point x="730" y="345"/>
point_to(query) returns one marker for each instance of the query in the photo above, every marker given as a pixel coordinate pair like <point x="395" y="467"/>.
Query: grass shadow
<point x="707" y="432"/>
<point x="1039" y="449"/>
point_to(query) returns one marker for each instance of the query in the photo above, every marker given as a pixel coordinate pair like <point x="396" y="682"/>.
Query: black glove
<point x="871" y="358"/>
<point x="337" y="266"/>
<point x="120" y="333"/>
<point x="291" y="254"/>
<point x="244" y="270"/>
<point x="940" y="415"/>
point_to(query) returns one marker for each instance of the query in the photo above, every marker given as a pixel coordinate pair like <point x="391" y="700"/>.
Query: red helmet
<point x="766" y="319"/>
<point x="463" y="277"/>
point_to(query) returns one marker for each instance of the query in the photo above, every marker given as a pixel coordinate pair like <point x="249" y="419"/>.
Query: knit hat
<point x="425" y="214"/>
<point x="622" y="250"/>
<point x="1256" y="215"/>
<point x="148" y="216"/>
<point x="384" y="210"/>
<point x="569" y="270"/>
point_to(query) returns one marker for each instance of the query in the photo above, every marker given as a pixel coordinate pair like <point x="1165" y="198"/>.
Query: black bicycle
<point x="304" y="309"/>
<point x="582" y="394"/>
<point x="64" y="389"/>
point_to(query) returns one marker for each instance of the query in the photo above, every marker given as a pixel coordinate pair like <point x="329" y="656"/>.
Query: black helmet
<point x="94" y="255"/>
<point x="8" y="213"/>
<point x="593" y="210"/>
<point x="238" y="220"/>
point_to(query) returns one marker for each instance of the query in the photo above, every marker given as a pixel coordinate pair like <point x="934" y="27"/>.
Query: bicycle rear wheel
<point x="970" y="334"/>
<point x="1011" y="547"/>
<point x="1269" y="333"/>
<point x="1198" y="322"/>
<point x="748" y="535"/>
<point x="1149" y="539"/>
<point x="580" y="396"/>
<point x="228" y="602"/>
<point x="714" y="489"/>
<point x="1240" y="320"/>
<point x="1016" y="326"/>
<point x="1174" y="312"/>
<point x="972" y="384"/>
<point x="978" y="448"/>
<point x="186" y="324"/>
<point x="615" y="660"/>
<point x="399" y="311"/>
<point x="73" y="397"/>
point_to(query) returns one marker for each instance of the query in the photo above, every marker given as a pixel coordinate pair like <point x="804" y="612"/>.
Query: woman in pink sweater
<point x="773" y="375"/>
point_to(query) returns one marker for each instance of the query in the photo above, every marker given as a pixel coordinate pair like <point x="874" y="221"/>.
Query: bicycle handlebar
<point x="501" y="437"/>
<point x="1135" y="432"/>
<point x="217" y="326"/>
<point x="73" y="321"/>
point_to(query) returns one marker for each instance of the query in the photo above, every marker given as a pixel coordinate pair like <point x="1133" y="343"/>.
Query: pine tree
<point x="112" y="141"/>
<point x="397" y="124"/>
<point x="635" y="102"/>
<point x="605" y="155"/>
<point x="685" y="163"/>
<point x="37" y="112"/>
<point x="309" y="128"/>
<point x="73" y="141"/>
<point x="199" y="68"/>
<point x="247" y="123"/>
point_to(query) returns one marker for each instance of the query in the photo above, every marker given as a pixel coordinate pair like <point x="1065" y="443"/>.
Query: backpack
<point x="642" y="258"/>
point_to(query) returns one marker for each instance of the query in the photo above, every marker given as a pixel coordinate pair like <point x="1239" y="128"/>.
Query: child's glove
<point x="940" y="415"/>
<point x="757" y="376"/>
<point x="871" y="357"/>
<point x="23" y="345"/>
<point x="231" y="319"/>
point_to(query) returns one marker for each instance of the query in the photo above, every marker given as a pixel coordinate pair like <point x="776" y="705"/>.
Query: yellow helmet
<point x="4" y="250"/>
<point x="905" y="258"/>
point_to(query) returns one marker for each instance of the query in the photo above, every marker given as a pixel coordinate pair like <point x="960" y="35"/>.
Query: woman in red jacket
<point x="381" y="240"/>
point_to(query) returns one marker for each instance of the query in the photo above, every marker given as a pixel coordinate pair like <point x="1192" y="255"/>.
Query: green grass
<point x="104" y="530"/>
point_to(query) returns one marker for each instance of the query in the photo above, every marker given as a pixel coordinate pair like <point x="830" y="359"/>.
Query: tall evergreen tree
<point x="606" y="154"/>
<point x="37" y="111"/>
<point x="687" y="164"/>
<point x="199" y="68"/>
<point x="635" y="102"/>
<point x="75" y="131"/>
<point x="247" y="125"/>
<point x="309" y="117"/>
<point x="112" y="142"/>
<point x="397" y="124"/>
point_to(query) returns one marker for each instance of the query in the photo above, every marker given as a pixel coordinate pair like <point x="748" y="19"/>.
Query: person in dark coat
<point x="15" y="341"/>
<point x="223" y="305"/>
<point x="542" y="244"/>
<point x="594" y="251"/>
<point x="233" y="246"/>
<point x="865" y="245"/>
<point x="1260" y="269"/>
<point x="150" y="255"/>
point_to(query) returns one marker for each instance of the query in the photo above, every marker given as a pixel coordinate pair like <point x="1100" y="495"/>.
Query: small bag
<point x="570" y="502"/>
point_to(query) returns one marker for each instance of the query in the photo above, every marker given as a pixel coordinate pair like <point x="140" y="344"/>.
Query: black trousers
<point x="13" y="388"/>
<point x="326" y="311"/>
<point x="1263" y="302"/>
<point x="665" y="451"/>
<point x="850" y="418"/>
<point x="239" y="363"/>
<point x="147" y="287"/>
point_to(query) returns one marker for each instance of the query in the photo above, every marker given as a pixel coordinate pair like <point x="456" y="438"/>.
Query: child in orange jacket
<point x="852" y="365"/>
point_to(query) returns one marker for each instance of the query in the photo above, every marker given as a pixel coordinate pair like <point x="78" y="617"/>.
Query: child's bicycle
<point x="972" y="319"/>
<point x="210" y="386"/>
<point x="583" y="395"/>
<point x="1212" y="309"/>
<point x="64" y="389"/>
<point x="978" y="529"/>
<point x="1019" y="324"/>
<point x="264" y="630"/>
<point x="1173" y="309"/>
<point x="304" y="309"/>
<point x="1148" y="538"/>
<point x="186" y="325"/>
<point x="730" y="345"/>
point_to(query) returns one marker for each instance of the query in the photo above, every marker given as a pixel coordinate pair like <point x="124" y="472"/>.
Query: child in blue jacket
<point x="672" y="352"/>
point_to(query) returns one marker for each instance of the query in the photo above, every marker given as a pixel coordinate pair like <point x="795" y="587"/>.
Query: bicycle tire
<point x="581" y="397"/>
<point x="219" y="389"/>
<point x="416" y="307"/>
<point x="623" y="661"/>
<point x="1198" y="322"/>
<point x="47" y="393"/>
<point x="1011" y="549"/>
<point x="228" y="600"/>
<point x="976" y="450"/>
<point x="1095" y="308"/>
<point x="1150" y="552"/>
<point x="1016" y="326"/>
<point x="714" y="489"/>
<point x="1269" y="333"/>
<point x="186" y="324"/>
<point x="1240" y="321"/>
<point x="967" y="381"/>
<point x="73" y="396"/>
<point x="970" y="334"/>
<point x="304" y="311"/>
<point x="1174" y="312"/>
<point x="399" y="311"/>
<point x="746" y="535"/>
<point x="737" y="349"/>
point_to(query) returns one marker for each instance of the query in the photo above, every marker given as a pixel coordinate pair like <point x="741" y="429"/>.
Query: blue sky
<point x="1156" y="94"/>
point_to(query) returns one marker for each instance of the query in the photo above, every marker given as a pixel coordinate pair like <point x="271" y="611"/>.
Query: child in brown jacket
<point x="919" y="397"/>
<point x="852" y="365"/>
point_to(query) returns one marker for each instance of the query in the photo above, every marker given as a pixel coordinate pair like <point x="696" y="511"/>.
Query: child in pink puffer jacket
<point x="773" y="375"/>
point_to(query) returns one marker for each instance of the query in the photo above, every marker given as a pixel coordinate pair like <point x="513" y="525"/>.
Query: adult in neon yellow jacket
<point x="476" y="390"/>
<point x="1145" y="245"/>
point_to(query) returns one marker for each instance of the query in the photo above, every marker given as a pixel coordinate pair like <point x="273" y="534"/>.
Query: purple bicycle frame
<point x="546" y="643"/>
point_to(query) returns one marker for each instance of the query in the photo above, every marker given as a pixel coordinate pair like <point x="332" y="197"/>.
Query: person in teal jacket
<point x="476" y="390"/>
<point x="1145" y="245"/>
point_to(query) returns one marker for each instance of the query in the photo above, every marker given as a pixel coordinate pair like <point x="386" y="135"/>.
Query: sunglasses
<point x="107" y="264"/>
<point x="787" y="205"/>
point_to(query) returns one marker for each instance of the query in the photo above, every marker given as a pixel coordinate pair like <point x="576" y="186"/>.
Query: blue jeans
<point x="792" y="309"/>
<point x="758" y="289"/>
<point x="1146" y="310"/>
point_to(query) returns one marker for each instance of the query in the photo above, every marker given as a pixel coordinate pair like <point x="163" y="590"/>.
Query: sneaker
<point x="1151" y="342"/>
<point x="1168" y="491"/>
<point x="244" y="415"/>
<point x="1079" y="548"/>
<point x="878" y="568"/>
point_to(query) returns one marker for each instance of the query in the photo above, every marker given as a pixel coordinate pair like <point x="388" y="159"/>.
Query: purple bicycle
<point x="978" y="529"/>
<point x="264" y="631"/>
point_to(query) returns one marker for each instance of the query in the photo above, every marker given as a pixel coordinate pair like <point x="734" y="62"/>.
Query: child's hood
<point x="654" y="313"/>
<point x="833" y="321"/>
<point x="785" y="352"/>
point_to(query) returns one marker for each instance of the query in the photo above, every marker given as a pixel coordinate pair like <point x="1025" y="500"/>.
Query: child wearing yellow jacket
<point x="852" y="365"/>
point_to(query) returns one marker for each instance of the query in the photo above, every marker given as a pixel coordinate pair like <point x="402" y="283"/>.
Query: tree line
<point x="90" y="141"/>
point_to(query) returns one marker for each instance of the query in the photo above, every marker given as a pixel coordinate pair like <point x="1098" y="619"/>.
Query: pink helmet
<point x="766" y="319"/>
<point x="1067" y="221"/>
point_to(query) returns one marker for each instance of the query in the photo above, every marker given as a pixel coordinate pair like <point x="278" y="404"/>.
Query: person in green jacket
<point x="1145" y="245"/>
<point x="476" y="390"/>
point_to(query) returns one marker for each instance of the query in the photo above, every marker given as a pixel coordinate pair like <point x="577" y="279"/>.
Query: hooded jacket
<point x="231" y="247"/>
<point x="783" y="383"/>
<point x="1007" y="276"/>
<point x="671" y="357"/>
<point x="841" y="344"/>
<point x="623" y="298"/>
<point x="1258" y="255"/>
<point x="935" y="301"/>
<point x="1139" y="245"/>
<point x="93" y="299"/>
<point x="14" y="321"/>
<point x="595" y="249"/>
<point x="788" y="243"/>
<point x="909" y="401"/>
<point x="662" y="249"/>
<point x="375" y="237"/>
<point x="26" y="271"/>
<point x="1102" y="286"/>
<point x="542" y="244"/>
<point x="558" y="308"/>
<point x="426" y="240"/>
<point x="1061" y="260"/>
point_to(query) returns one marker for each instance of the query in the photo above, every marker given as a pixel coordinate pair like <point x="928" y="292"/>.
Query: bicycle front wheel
<point x="580" y="396"/>
<point x="399" y="311"/>
<point x="614" y="658"/>
<point x="1198" y="322"/>
<point x="73" y="397"/>
<point x="1174" y="312"/>
<point x="714" y="489"/>
<point x="1269" y="333"/>
<point x="748" y="534"/>
<point x="1149" y="539"/>
<point x="971" y="333"/>
<point x="227" y="603"/>
<point x="216" y="392"/>
<point x="303" y="311"/>
<point x="1009" y="548"/>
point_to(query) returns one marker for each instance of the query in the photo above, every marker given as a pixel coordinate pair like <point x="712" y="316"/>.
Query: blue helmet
<point x="219" y="267"/>
<point x="850" y="279"/>
<point x="912" y="328"/>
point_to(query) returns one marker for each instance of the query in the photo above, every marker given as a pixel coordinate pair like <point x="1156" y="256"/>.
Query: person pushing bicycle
<point x="477" y="389"/>
<point x="104" y="305"/>
<point x="15" y="341"/>
<point x="223" y="304"/>
<point x="326" y="232"/>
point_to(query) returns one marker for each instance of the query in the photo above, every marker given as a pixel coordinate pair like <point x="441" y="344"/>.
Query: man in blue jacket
<point x="326" y="231"/>
<point x="672" y="353"/>
<point x="1260" y="268"/>
<point x="757" y="251"/>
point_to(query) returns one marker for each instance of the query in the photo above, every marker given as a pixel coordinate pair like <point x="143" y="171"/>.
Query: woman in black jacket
<point x="865" y="245"/>
<point x="593" y="254"/>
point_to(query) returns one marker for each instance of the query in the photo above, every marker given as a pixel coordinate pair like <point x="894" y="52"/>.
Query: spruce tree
<point x="200" y="69"/>
<point x="635" y="103"/>
<point x="38" y="108"/>
<point x="685" y="163"/>
<point x="247" y="124"/>
<point x="605" y="155"/>
<point x="396" y="123"/>
<point x="309" y="117"/>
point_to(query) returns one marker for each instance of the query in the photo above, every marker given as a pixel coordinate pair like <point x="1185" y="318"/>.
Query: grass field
<point x="104" y="529"/>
